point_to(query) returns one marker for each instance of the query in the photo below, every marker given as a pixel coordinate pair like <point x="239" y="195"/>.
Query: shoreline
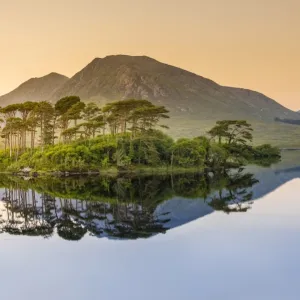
<point x="110" y="172"/>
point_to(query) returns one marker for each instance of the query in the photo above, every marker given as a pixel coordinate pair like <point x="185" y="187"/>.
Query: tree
<point x="32" y="123"/>
<point x="188" y="153"/>
<point x="218" y="156"/>
<point x="91" y="111"/>
<point x="145" y="118"/>
<point x="64" y="109"/>
<point x="15" y="129"/>
<point x="94" y="120"/>
<point x="25" y="109"/>
<point x="233" y="131"/>
<point x="142" y="114"/>
<point x="122" y="112"/>
<point x="9" y="112"/>
<point x="205" y="142"/>
<point x="64" y="104"/>
<point x="44" y="113"/>
<point x="75" y="111"/>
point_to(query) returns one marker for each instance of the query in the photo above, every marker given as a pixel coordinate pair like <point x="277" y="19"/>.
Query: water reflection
<point x="123" y="208"/>
<point x="237" y="194"/>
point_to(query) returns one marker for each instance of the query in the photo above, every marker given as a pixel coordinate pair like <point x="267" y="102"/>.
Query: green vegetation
<point x="123" y="136"/>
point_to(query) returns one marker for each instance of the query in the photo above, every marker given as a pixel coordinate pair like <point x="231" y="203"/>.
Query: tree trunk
<point x="10" y="144"/>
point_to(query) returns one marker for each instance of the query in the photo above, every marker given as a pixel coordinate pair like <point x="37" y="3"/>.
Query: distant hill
<point x="288" y="121"/>
<point x="35" y="89"/>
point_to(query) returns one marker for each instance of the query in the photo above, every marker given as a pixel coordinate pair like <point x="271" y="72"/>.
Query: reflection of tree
<point x="235" y="194"/>
<point x="69" y="230"/>
<point x="192" y="186"/>
<point x="24" y="216"/>
<point x="133" y="221"/>
<point x="121" y="207"/>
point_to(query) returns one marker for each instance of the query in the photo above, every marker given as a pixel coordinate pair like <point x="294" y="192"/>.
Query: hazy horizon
<point x="251" y="45"/>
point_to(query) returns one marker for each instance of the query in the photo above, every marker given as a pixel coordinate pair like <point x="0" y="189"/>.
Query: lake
<point x="187" y="236"/>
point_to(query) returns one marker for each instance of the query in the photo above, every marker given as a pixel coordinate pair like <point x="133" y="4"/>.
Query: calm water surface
<point x="234" y="236"/>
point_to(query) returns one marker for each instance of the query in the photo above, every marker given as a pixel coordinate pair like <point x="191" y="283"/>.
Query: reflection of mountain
<point x="268" y="180"/>
<point x="276" y="176"/>
<point x="182" y="211"/>
<point x="130" y="208"/>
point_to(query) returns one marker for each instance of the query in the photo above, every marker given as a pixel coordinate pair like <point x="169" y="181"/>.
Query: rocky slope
<point x="183" y="92"/>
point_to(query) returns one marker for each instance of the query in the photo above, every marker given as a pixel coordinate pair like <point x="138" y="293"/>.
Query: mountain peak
<point x="51" y="76"/>
<point x="54" y="74"/>
<point x="128" y="57"/>
<point x="122" y="59"/>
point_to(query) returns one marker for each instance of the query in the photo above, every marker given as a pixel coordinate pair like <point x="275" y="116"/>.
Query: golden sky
<point x="245" y="43"/>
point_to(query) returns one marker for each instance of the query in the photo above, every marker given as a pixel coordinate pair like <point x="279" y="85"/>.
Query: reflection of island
<point x="127" y="208"/>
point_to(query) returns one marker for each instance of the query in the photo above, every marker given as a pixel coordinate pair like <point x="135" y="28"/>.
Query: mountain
<point x="195" y="102"/>
<point x="35" y="89"/>
<point x="184" y="93"/>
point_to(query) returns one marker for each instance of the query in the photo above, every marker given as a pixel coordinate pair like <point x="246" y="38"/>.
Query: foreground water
<point x="234" y="236"/>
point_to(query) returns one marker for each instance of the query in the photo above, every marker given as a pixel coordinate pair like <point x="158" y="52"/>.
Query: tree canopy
<point x="76" y="136"/>
<point x="232" y="131"/>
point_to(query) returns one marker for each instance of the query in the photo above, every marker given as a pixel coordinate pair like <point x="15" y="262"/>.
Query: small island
<point x="128" y="136"/>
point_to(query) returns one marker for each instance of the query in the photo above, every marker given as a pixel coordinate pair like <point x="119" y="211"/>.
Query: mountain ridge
<point x="184" y="93"/>
<point x="117" y="77"/>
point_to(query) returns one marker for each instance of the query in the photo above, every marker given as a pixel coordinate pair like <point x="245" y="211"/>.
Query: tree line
<point x="70" y="119"/>
<point x="73" y="136"/>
